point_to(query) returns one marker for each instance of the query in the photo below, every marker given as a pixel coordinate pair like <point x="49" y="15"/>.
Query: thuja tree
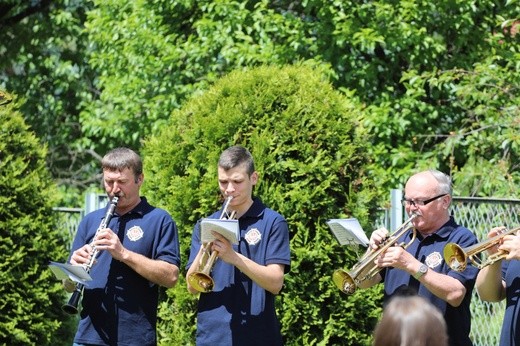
<point x="311" y="152"/>
<point x="29" y="237"/>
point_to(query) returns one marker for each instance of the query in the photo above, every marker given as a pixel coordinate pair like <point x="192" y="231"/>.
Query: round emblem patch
<point x="253" y="236"/>
<point x="433" y="260"/>
<point x="135" y="233"/>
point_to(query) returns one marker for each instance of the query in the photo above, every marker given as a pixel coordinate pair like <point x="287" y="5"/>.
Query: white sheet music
<point x="68" y="271"/>
<point x="348" y="231"/>
<point x="228" y="228"/>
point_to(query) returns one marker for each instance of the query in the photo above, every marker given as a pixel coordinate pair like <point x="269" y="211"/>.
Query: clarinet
<point x="71" y="307"/>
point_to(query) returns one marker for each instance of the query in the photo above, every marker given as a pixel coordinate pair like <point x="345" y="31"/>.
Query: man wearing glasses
<point x="420" y="269"/>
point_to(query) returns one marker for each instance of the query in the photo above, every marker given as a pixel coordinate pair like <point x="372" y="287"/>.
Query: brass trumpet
<point x="200" y="279"/>
<point x="365" y="269"/>
<point x="457" y="257"/>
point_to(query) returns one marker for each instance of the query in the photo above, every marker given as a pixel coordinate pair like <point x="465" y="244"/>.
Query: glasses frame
<point x="420" y="203"/>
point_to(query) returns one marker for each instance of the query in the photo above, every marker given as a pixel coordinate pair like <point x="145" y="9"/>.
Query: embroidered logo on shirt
<point x="433" y="260"/>
<point x="135" y="233"/>
<point x="253" y="236"/>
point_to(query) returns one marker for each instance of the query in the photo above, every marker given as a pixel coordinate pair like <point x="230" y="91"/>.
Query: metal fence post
<point x="396" y="209"/>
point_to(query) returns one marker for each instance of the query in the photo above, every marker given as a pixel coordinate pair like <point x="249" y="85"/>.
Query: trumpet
<point x="457" y="257"/>
<point x="200" y="279"/>
<point x="365" y="269"/>
<point x="71" y="307"/>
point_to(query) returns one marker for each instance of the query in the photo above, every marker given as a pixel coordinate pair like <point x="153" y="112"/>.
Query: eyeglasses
<point x="418" y="202"/>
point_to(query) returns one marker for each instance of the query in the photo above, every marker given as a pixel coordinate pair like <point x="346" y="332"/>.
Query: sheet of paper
<point x="348" y="231"/>
<point x="68" y="271"/>
<point x="228" y="228"/>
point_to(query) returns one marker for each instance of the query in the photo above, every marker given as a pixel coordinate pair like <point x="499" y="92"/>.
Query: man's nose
<point x="413" y="206"/>
<point x="230" y="187"/>
<point x="116" y="189"/>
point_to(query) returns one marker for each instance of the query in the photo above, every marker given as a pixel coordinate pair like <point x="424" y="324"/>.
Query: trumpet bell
<point x="344" y="281"/>
<point x="201" y="282"/>
<point x="455" y="257"/>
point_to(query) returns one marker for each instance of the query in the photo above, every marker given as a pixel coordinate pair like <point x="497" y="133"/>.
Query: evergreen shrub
<point x="30" y="308"/>
<point x="310" y="150"/>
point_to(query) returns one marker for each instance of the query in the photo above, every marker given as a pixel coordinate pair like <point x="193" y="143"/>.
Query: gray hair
<point x="445" y="183"/>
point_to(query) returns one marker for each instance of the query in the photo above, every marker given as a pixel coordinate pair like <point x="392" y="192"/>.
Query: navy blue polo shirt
<point x="429" y="250"/>
<point x="510" y="335"/>
<point x="238" y="311"/>
<point x="120" y="306"/>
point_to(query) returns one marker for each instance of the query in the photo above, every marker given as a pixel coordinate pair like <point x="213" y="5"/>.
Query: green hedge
<point x="310" y="150"/>
<point x="30" y="311"/>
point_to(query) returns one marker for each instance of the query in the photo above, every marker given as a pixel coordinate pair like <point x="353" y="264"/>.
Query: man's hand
<point x="493" y="233"/>
<point x="511" y="245"/>
<point x="69" y="285"/>
<point x="224" y="248"/>
<point x="107" y="240"/>
<point x="396" y="257"/>
<point x="82" y="255"/>
<point x="377" y="237"/>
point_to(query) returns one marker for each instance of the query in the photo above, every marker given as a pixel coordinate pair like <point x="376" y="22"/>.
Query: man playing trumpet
<point x="420" y="268"/>
<point x="501" y="280"/>
<point x="240" y="308"/>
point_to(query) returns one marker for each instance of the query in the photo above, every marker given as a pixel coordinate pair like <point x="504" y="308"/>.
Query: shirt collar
<point x="256" y="210"/>
<point x="443" y="232"/>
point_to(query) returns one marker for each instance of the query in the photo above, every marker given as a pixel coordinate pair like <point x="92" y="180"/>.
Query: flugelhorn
<point x="72" y="305"/>
<point x="365" y="269"/>
<point x="200" y="279"/>
<point x="457" y="258"/>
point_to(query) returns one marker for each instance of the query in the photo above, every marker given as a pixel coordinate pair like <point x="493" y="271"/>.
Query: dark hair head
<point x="235" y="156"/>
<point x="121" y="158"/>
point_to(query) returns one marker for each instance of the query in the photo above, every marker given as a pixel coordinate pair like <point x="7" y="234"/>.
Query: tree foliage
<point x="482" y="153"/>
<point x="14" y="11"/>
<point x="114" y="71"/>
<point x="435" y="83"/>
<point x="310" y="151"/>
<point x="29" y="238"/>
<point x="44" y="62"/>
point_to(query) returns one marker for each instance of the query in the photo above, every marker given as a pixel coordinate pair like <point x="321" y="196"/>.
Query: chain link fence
<point x="480" y="215"/>
<point x="69" y="219"/>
